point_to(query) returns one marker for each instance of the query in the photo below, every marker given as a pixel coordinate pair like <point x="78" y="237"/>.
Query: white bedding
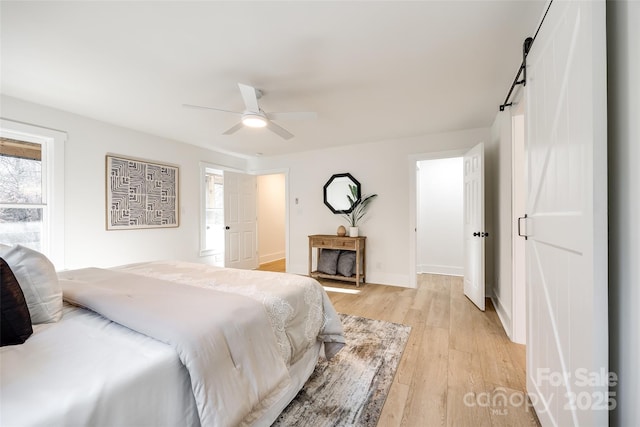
<point x="85" y="370"/>
<point x="299" y="309"/>
<point x="224" y="340"/>
<point x="145" y="383"/>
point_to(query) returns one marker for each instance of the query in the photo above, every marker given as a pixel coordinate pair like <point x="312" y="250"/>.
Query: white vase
<point x="353" y="231"/>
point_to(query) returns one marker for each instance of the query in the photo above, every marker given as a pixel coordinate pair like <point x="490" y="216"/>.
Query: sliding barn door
<point x="240" y="221"/>
<point x="566" y="250"/>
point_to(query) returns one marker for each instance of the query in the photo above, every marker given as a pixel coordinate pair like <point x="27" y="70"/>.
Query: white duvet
<point x="298" y="308"/>
<point x="235" y="331"/>
<point x="85" y="370"/>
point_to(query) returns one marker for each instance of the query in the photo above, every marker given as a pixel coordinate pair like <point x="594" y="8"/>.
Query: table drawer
<point x="344" y="244"/>
<point x="322" y="242"/>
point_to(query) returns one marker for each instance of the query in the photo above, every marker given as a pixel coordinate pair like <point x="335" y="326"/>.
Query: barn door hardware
<point x="520" y="227"/>
<point x="526" y="46"/>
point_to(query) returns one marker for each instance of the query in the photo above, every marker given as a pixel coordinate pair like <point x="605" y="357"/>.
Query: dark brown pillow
<point x="15" y="319"/>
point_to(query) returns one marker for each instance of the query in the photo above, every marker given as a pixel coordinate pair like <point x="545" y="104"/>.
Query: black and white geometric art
<point x="141" y="194"/>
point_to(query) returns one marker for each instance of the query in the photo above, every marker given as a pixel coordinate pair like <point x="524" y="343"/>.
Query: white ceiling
<point x="372" y="70"/>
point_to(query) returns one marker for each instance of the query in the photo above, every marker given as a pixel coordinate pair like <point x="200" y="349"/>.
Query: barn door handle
<point x="519" y="227"/>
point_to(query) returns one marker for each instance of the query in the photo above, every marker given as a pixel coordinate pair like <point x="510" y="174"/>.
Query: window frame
<point x="53" y="197"/>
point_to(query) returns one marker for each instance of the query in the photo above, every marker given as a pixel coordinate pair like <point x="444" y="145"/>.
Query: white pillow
<point x="39" y="282"/>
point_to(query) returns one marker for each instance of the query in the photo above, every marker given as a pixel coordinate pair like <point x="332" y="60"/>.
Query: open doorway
<point x="222" y="214"/>
<point x="472" y="225"/>
<point x="228" y="225"/>
<point x="414" y="204"/>
<point x="439" y="235"/>
<point x="272" y="220"/>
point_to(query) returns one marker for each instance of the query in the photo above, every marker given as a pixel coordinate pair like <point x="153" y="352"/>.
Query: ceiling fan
<point x="254" y="116"/>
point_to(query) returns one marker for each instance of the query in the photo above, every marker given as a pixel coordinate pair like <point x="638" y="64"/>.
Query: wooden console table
<point x="356" y="244"/>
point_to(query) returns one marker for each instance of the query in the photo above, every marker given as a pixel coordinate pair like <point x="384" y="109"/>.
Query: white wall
<point x="518" y="208"/>
<point x="440" y="247"/>
<point x="381" y="167"/>
<point x="502" y="287"/>
<point x="271" y="217"/>
<point x="87" y="243"/>
<point x="623" y="45"/>
<point x="509" y="292"/>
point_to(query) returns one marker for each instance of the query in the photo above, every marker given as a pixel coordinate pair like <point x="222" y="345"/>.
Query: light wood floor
<point x="278" y="266"/>
<point x="459" y="368"/>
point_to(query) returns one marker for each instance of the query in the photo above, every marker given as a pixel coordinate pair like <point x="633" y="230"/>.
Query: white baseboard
<point x="448" y="270"/>
<point x="398" y="280"/>
<point x="263" y="259"/>
<point x="504" y="317"/>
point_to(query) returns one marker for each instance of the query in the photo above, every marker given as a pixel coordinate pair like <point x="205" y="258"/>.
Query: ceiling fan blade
<point x="233" y="129"/>
<point x="250" y="98"/>
<point x="201" y="107"/>
<point x="299" y="115"/>
<point x="279" y="130"/>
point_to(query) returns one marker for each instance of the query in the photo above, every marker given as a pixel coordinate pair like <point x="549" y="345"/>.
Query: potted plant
<point x="359" y="207"/>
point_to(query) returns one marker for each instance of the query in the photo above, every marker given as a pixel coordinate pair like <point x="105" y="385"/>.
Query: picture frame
<point x="141" y="193"/>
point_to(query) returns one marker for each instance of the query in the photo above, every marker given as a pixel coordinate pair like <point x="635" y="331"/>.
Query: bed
<point x="169" y="343"/>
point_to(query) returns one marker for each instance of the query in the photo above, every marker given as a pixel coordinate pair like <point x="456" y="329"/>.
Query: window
<point x="214" y="209"/>
<point x="22" y="193"/>
<point x="32" y="188"/>
<point x="213" y="233"/>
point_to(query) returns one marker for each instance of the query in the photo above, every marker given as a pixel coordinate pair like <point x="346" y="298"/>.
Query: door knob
<point x="484" y="235"/>
<point x="227" y="228"/>
<point x="477" y="233"/>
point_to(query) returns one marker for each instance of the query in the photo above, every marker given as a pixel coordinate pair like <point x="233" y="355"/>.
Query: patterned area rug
<point x="351" y="388"/>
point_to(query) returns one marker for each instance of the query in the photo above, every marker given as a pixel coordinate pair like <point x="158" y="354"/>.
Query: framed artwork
<point x="141" y="194"/>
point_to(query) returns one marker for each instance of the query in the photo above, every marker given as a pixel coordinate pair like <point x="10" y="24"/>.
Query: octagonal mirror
<point x="336" y="191"/>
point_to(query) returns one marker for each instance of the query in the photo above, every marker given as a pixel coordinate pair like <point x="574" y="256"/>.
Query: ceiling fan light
<point x="254" y="121"/>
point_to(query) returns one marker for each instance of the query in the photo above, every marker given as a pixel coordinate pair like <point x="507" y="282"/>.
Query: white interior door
<point x="566" y="250"/>
<point x="474" y="232"/>
<point x="240" y="221"/>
